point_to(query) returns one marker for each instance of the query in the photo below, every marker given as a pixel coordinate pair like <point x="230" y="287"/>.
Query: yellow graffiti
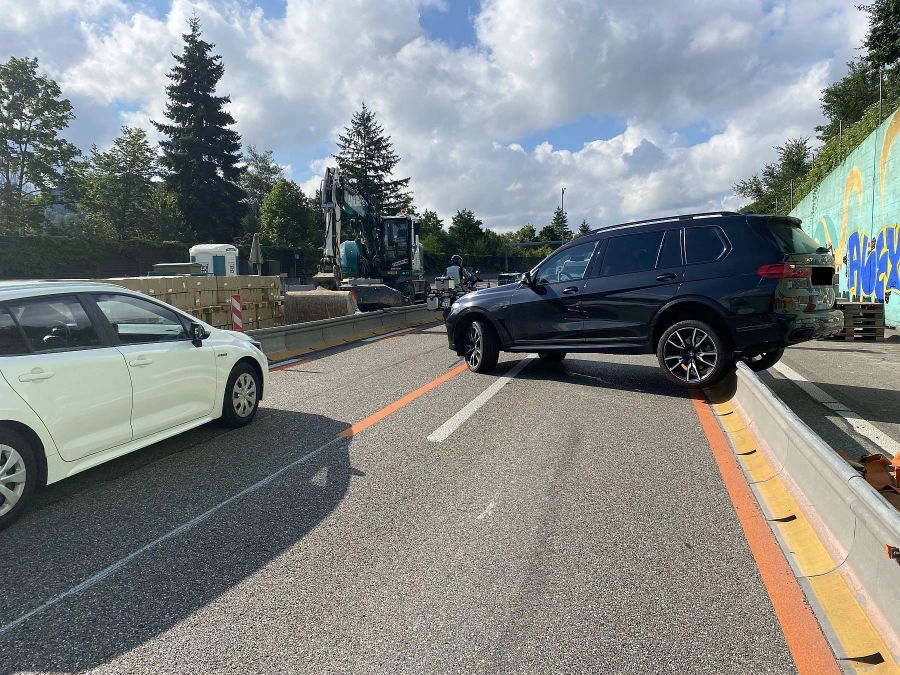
<point x="854" y="184"/>
<point x="890" y="135"/>
<point x="825" y="231"/>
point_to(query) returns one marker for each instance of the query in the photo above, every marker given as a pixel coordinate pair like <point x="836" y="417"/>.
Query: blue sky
<point x="648" y="106"/>
<point x="453" y="24"/>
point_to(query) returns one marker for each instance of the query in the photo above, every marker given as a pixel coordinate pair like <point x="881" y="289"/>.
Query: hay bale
<point x="301" y="306"/>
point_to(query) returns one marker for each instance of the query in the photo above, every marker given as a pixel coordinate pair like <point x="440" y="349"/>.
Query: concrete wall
<point x="856" y="209"/>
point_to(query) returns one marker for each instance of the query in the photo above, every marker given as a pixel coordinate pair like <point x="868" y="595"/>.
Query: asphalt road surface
<point x="859" y="377"/>
<point x="574" y="522"/>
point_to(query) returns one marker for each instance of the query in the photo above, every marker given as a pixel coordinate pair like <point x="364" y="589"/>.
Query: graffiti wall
<point x="856" y="210"/>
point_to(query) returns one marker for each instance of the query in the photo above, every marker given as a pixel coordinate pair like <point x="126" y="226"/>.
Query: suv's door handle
<point x="35" y="375"/>
<point x="570" y="290"/>
<point x="668" y="276"/>
<point x="140" y="361"/>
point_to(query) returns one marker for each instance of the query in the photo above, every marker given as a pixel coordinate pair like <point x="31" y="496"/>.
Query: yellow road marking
<point x="843" y="612"/>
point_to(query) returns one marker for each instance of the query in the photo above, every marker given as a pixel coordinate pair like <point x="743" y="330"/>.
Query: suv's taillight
<point x="783" y="271"/>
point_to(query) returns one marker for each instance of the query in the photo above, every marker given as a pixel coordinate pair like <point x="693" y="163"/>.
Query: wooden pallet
<point x="863" y="322"/>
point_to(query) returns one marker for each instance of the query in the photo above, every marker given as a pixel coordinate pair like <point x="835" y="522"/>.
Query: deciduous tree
<point x="261" y="173"/>
<point x="465" y="232"/>
<point x="32" y="154"/>
<point x="284" y="215"/>
<point x="117" y="186"/>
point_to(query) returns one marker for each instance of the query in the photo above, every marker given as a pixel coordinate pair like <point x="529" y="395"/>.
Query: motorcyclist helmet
<point x="456" y="260"/>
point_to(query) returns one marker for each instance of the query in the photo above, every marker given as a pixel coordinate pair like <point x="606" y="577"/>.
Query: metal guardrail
<point x="860" y="520"/>
<point x="285" y="341"/>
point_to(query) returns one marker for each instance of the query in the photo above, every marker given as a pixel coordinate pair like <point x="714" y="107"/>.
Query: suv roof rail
<point x="663" y="219"/>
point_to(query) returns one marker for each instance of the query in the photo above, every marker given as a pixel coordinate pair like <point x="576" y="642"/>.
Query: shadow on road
<point x="604" y="374"/>
<point x="101" y="516"/>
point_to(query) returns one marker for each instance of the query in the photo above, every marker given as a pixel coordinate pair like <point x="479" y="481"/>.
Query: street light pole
<point x="562" y="208"/>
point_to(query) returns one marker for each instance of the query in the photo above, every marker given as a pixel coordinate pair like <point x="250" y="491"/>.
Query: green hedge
<point x="83" y="258"/>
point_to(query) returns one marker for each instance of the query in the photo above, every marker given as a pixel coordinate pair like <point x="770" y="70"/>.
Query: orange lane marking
<point x="804" y="636"/>
<point x="399" y="403"/>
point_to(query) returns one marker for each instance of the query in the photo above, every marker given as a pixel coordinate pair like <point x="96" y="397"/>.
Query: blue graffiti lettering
<point x="873" y="268"/>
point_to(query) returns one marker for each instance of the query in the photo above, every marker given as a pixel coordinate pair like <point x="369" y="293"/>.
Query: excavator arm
<point x="345" y="207"/>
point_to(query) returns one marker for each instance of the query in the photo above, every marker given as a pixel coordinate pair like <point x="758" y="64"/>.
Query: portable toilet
<point x="217" y="259"/>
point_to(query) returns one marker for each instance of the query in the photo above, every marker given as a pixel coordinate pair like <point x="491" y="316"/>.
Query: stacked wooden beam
<point x="209" y="297"/>
<point x="863" y="322"/>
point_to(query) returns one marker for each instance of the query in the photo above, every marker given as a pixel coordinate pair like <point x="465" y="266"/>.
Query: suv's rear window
<point x="790" y="238"/>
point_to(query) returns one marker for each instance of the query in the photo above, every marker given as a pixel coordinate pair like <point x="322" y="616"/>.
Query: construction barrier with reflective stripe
<point x="284" y="342"/>
<point x="862" y="523"/>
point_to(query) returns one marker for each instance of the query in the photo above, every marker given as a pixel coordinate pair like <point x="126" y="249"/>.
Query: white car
<point x="90" y="371"/>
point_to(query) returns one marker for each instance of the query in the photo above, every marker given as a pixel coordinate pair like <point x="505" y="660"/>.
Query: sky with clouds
<point x="637" y="108"/>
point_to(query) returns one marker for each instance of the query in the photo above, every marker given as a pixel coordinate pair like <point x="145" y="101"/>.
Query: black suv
<point x="697" y="290"/>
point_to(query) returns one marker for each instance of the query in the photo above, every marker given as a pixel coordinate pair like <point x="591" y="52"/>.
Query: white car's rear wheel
<point x="18" y="475"/>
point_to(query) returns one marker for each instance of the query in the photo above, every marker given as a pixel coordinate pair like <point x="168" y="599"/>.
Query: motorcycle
<point x="446" y="290"/>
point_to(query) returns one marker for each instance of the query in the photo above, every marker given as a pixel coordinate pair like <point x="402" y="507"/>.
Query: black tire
<point x="482" y="347"/>
<point x="693" y="354"/>
<point x="551" y="357"/>
<point x="765" y="360"/>
<point x="16" y="455"/>
<point x="407" y="293"/>
<point x="235" y="410"/>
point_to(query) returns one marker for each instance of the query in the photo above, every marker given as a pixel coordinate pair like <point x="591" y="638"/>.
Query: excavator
<point x="382" y="264"/>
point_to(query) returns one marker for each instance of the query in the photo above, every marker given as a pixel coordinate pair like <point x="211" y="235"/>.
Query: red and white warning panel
<point x="237" y="316"/>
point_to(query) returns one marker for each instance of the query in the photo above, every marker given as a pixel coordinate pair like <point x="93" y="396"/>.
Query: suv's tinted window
<point x="54" y="323"/>
<point x="703" y="244"/>
<point x="568" y="265"/>
<point x="670" y="253"/>
<point x="11" y="340"/>
<point x="138" y="321"/>
<point x="790" y="239"/>
<point x="632" y="253"/>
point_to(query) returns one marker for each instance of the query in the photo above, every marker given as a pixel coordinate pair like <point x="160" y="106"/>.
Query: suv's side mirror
<point x="198" y="334"/>
<point x="526" y="279"/>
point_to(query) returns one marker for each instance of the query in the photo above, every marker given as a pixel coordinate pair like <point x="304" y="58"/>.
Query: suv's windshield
<point x="790" y="238"/>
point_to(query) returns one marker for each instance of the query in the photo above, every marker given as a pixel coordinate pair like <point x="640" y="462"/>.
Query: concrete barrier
<point x="282" y="342"/>
<point x="860" y="520"/>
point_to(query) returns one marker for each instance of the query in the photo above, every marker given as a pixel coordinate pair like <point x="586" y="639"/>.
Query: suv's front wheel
<point x="482" y="347"/>
<point x="693" y="354"/>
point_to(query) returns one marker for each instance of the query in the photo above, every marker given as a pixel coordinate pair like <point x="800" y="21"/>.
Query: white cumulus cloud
<point x="459" y="116"/>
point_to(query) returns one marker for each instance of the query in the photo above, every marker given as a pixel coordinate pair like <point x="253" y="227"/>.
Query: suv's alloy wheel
<point x="481" y="347"/>
<point x="692" y="354"/>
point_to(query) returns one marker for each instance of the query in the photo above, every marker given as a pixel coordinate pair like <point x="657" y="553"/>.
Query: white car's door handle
<point x="140" y="361"/>
<point x="35" y="375"/>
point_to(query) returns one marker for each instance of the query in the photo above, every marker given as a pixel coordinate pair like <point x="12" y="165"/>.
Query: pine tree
<point x="560" y="224"/>
<point x="366" y="156"/>
<point x="202" y="154"/>
<point x="584" y="228"/>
